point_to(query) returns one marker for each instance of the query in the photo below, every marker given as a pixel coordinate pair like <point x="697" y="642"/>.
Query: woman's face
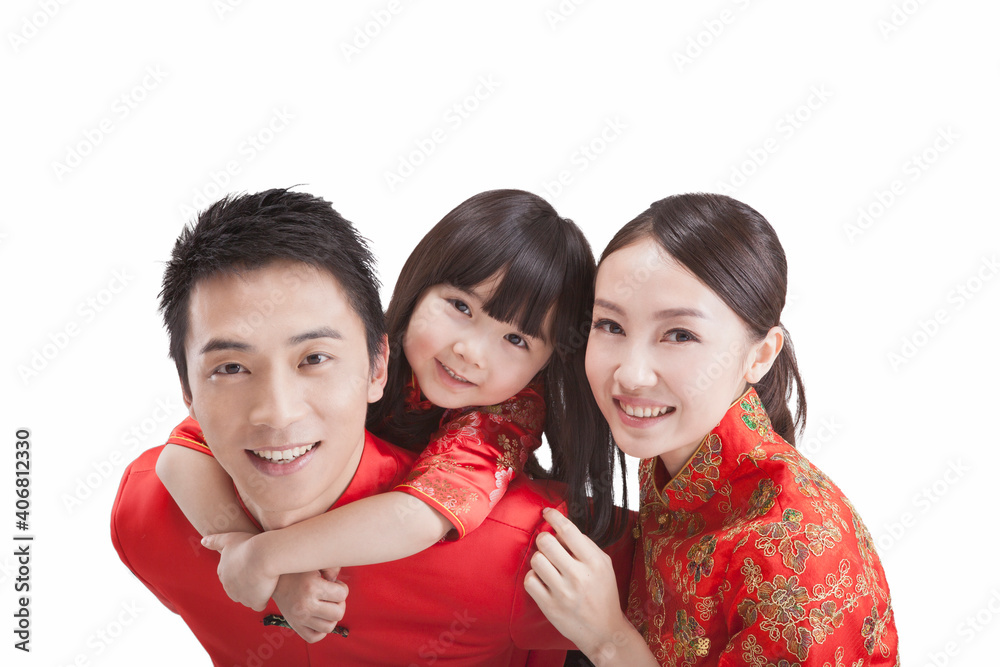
<point x="666" y="357"/>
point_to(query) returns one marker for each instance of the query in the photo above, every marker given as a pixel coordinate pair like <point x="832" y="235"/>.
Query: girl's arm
<point x="310" y="603"/>
<point x="376" y="529"/>
<point x="203" y="491"/>
<point x="573" y="583"/>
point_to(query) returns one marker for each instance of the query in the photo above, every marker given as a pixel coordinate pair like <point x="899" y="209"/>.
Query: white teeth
<point x="644" y="413"/>
<point x="282" y="456"/>
<point x="454" y="374"/>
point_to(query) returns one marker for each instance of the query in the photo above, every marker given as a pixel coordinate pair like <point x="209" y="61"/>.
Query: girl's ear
<point x="763" y="354"/>
<point x="379" y="371"/>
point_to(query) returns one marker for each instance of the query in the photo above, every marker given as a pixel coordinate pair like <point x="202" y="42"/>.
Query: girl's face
<point x="463" y="357"/>
<point x="666" y="356"/>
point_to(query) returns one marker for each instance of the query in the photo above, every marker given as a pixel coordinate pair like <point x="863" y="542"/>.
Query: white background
<point x="808" y="111"/>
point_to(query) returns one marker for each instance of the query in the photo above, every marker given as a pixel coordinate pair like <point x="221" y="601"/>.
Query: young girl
<point x="747" y="554"/>
<point x="486" y="352"/>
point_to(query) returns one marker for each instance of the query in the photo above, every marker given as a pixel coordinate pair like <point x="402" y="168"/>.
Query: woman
<point x="747" y="554"/>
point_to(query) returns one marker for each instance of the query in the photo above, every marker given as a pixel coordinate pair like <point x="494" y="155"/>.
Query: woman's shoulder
<point x="797" y="521"/>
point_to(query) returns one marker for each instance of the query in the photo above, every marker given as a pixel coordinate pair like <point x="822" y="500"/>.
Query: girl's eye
<point x="608" y="326"/>
<point x="314" y="359"/>
<point x="228" y="369"/>
<point x="516" y="340"/>
<point x="679" y="336"/>
<point x="461" y="306"/>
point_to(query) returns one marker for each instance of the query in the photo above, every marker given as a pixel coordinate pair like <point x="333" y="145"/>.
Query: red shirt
<point x="750" y="555"/>
<point x="459" y="602"/>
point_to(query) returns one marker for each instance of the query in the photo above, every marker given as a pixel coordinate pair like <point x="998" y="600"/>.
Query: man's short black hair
<point x="245" y="232"/>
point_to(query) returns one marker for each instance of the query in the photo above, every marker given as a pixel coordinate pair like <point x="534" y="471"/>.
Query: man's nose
<point x="278" y="402"/>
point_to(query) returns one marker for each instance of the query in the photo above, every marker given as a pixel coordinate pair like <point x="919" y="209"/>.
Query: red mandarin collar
<point x="740" y="435"/>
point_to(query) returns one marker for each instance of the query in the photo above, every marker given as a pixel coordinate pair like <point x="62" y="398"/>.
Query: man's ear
<point x="187" y="401"/>
<point x="763" y="354"/>
<point x="379" y="371"/>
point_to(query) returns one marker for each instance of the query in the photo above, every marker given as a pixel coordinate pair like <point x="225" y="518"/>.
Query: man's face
<point x="280" y="383"/>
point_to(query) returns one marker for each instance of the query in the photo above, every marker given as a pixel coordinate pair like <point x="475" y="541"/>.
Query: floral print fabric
<point x="752" y="556"/>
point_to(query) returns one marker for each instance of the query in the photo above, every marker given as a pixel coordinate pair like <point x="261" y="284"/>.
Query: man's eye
<point x="517" y="340"/>
<point x="229" y="369"/>
<point x="608" y="326"/>
<point x="314" y="359"/>
<point x="461" y="306"/>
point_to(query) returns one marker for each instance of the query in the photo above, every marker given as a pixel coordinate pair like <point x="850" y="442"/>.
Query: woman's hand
<point x="573" y="583"/>
<point x="239" y="570"/>
<point x="311" y="602"/>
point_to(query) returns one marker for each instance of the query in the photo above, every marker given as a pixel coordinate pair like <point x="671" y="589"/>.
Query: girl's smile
<point x="463" y="357"/>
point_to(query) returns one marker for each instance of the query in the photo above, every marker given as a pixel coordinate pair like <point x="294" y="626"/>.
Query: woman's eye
<point x="314" y="359"/>
<point x="229" y="369"/>
<point x="608" y="326"/>
<point x="518" y="341"/>
<point x="461" y="306"/>
<point x="679" y="336"/>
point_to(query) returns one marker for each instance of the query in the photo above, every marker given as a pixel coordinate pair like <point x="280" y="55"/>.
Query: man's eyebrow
<point x="217" y="344"/>
<point x="322" y="332"/>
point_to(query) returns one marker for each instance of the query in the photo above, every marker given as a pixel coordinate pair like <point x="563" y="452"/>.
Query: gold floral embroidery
<point x="755" y="550"/>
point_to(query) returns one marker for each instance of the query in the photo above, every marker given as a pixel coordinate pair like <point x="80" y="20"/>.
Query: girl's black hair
<point x="545" y="263"/>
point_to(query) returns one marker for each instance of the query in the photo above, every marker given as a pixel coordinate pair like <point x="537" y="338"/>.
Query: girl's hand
<point x="240" y="573"/>
<point x="311" y="602"/>
<point x="573" y="583"/>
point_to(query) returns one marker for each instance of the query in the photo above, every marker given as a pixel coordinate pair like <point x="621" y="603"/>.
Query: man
<point x="277" y="332"/>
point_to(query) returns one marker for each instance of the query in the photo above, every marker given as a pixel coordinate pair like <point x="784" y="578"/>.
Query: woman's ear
<point x="764" y="353"/>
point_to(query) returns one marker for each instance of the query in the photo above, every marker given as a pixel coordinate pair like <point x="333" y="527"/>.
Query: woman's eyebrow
<point x="666" y="313"/>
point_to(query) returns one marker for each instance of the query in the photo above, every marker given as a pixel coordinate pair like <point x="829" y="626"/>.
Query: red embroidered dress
<point x="470" y="460"/>
<point x="752" y="556"/>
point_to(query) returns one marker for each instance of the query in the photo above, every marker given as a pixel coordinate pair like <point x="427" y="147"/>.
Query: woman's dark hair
<point x="545" y="263"/>
<point x="731" y="248"/>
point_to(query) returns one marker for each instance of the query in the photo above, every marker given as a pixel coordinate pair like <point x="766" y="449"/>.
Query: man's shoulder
<point x="521" y="506"/>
